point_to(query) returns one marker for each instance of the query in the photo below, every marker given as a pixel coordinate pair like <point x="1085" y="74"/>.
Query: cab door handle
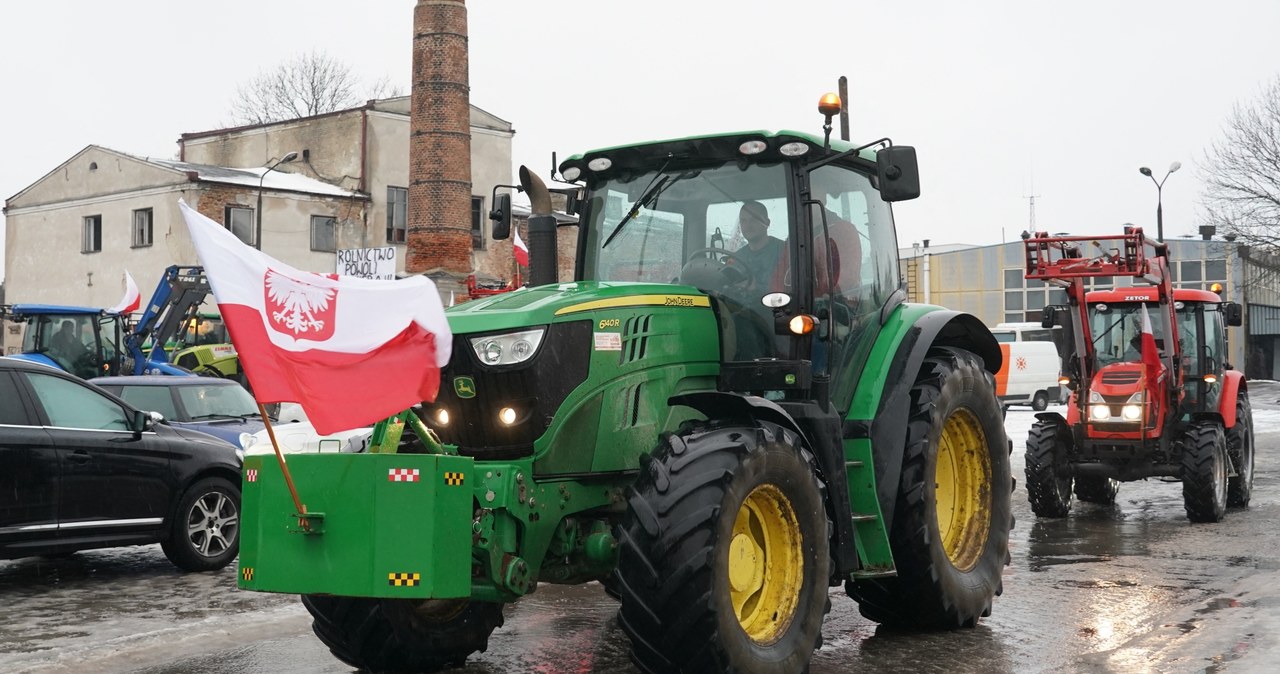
<point x="79" y="457"/>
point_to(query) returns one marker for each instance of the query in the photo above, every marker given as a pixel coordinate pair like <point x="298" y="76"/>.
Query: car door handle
<point x="79" y="457"/>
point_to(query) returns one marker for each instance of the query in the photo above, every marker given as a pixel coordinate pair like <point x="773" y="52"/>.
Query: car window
<point x="213" y="400"/>
<point x="11" y="409"/>
<point x="71" y="405"/>
<point x="150" y="398"/>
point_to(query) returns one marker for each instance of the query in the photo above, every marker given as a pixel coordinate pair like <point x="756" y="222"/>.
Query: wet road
<point x="1133" y="587"/>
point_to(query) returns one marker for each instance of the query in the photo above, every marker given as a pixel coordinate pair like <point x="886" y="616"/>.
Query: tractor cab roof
<point x="54" y="309"/>
<point x="1150" y="294"/>
<point x="712" y="148"/>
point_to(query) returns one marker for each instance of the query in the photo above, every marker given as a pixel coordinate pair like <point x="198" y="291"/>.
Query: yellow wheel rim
<point x="963" y="489"/>
<point x="766" y="564"/>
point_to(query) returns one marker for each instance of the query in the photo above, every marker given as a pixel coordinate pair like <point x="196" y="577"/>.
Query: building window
<point x="1215" y="270"/>
<point x="1013" y="278"/>
<point x="142" y="228"/>
<point x="240" y="221"/>
<point x="397" y="214"/>
<point x="1190" y="272"/>
<point x="324" y="233"/>
<point x="91" y="242"/>
<point x="477" y="223"/>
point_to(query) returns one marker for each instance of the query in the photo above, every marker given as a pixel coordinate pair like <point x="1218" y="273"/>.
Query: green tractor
<point x="716" y="436"/>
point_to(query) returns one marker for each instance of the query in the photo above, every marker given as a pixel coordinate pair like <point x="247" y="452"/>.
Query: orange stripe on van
<point x="1002" y="377"/>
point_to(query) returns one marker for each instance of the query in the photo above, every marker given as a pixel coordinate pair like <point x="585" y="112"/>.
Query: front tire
<point x="1049" y="493"/>
<point x="1094" y="489"/>
<point x="723" y="558"/>
<point x="950" y="531"/>
<point x="424" y="635"/>
<point x="1040" y="401"/>
<point x="204" y="534"/>
<point x="1204" y="472"/>
<point x="1240" y="449"/>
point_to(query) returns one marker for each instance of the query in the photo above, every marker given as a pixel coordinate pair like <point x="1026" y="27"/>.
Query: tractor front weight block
<point x="380" y="525"/>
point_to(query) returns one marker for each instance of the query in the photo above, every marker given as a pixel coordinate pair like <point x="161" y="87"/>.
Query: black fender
<point x="888" y="430"/>
<point x="818" y="430"/>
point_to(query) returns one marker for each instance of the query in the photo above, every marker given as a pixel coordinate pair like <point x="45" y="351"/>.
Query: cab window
<point x="12" y="412"/>
<point x="150" y="398"/>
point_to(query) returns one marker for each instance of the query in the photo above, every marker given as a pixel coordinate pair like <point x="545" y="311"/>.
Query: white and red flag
<point x="518" y="248"/>
<point x="1150" y="354"/>
<point x="351" y="351"/>
<point x="132" y="298"/>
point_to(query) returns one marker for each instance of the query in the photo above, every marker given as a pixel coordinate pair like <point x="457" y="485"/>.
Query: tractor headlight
<point x="509" y="349"/>
<point x="1132" y="410"/>
<point x="1099" y="412"/>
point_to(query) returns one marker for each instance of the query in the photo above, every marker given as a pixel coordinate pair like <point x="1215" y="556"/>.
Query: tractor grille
<point x="535" y="389"/>
<point x="1120" y="378"/>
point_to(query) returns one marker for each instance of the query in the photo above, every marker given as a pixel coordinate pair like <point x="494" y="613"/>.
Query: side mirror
<point x="1048" y="317"/>
<point x="144" y="421"/>
<point x="898" y="173"/>
<point x="501" y="217"/>
<point x="1233" y="314"/>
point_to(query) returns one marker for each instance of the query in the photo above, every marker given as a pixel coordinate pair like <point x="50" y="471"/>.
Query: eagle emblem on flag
<point x="300" y="309"/>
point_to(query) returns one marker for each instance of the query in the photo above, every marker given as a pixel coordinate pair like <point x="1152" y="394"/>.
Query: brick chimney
<point x="439" y="224"/>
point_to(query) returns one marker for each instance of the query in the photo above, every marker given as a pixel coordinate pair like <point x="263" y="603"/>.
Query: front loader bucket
<point x="377" y="525"/>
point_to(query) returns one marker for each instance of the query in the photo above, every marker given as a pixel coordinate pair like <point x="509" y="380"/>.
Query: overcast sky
<point x="993" y="94"/>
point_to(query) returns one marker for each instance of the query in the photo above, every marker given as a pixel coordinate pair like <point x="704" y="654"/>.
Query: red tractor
<point x="1151" y="392"/>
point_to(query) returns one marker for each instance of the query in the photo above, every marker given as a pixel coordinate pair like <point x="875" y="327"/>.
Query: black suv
<point x="81" y="469"/>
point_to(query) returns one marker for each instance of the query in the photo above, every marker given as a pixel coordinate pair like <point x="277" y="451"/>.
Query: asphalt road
<point x="1130" y="587"/>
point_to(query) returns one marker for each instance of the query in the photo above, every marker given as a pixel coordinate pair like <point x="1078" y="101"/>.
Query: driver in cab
<point x="66" y="343"/>
<point x="762" y="253"/>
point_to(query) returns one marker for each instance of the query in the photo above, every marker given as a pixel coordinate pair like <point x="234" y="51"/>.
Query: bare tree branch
<point x="308" y="84"/>
<point x="1242" y="169"/>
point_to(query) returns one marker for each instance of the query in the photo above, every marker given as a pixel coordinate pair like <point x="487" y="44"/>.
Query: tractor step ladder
<point x="875" y="557"/>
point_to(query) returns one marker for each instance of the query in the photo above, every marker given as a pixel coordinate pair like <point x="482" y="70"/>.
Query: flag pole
<point x="284" y="468"/>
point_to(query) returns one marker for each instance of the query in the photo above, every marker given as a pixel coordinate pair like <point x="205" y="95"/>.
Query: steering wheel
<point x="703" y="269"/>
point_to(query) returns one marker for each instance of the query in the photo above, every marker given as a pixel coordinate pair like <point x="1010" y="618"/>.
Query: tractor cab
<point x="792" y="242"/>
<point x="80" y="340"/>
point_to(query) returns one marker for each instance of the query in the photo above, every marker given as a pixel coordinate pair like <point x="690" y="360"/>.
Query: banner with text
<point x="371" y="263"/>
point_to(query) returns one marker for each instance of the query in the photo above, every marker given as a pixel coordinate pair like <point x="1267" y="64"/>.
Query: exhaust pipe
<point x="543" y="253"/>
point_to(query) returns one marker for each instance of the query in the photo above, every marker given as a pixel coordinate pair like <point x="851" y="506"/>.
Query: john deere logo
<point x="465" y="387"/>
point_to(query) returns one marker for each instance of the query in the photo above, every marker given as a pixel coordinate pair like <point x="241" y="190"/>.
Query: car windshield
<point x="216" y="401"/>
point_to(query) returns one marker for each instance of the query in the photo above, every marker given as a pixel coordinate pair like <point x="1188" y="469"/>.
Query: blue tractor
<point x="90" y="342"/>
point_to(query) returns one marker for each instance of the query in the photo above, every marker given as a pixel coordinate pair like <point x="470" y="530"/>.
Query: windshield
<point x="1116" y="330"/>
<point x="215" y="401"/>
<point x="205" y="330"/>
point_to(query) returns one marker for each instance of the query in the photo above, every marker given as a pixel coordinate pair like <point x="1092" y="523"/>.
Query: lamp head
<point x="1145" y="171"/>
<point x="1175" y="166"/>
<point x="288" y="158"/>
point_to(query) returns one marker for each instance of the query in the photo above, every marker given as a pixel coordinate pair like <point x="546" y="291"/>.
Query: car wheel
<point x="1040" y="402"/>
<point x="205" y="531"/>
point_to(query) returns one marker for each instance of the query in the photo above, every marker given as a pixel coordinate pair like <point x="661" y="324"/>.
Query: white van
<point x="1032" y="362"/>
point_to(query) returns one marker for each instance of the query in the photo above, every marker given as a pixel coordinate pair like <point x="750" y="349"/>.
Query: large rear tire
<point x="1094" y="489"/>
<point x="1240" y="449"/>
<point x="402" y="634"/>
<point x="724" y="557"/>
<point x="1204" y="472"/>
<point x="950" y="530"/>
<point x="1049" y="492"/>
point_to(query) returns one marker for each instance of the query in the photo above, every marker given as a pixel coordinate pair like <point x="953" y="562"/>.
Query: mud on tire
<point x="1049" y="493"/>
<point x="402" y="634"/>
<point x="709" y="492"/>
<point x="947" y="576"/>
<point x="1204" y="472"/>
<point x="1240" y="449"/>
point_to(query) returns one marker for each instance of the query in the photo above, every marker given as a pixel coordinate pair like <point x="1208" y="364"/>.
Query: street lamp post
<point x="1159" y="195"/>
<point x="257" y="226"/>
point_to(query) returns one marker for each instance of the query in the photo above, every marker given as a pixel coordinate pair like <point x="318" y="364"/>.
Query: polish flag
<point x="1150" y="354"/>
<point x="350" y="351"/>
<point x="520" y="250"/>
<point x="132" y="298"/>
